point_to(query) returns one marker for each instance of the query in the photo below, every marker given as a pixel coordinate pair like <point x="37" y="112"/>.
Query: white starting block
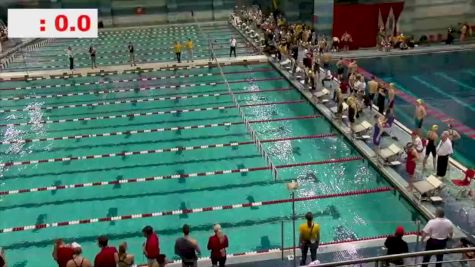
<point x="335" y="108"/>
<point x="430" y="188"/>
<point x="361" y="129"/>
<point x="390" y="155"/>
<point x="321" y="94"/>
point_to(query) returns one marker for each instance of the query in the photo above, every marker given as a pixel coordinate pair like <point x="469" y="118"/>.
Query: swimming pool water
<point x="248" y="228"/>
<point x="445" y="81"/>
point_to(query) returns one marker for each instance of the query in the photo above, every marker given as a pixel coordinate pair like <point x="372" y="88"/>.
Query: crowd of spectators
<point x="186" y="248"/>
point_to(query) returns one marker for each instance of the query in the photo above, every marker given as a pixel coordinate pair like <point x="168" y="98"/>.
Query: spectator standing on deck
<point x="211" y="46"/>
<point x="3" y="260"/>
<point x="187" y="247"/>
<point x="372" y="91"/>
<point x="232" y="49"/>
<point x="396" y="245"/>
<point x="412" y="157"/>
<point x="309" y="238"/>
<point x="453" y="134"/>
<point x="340" y="68"/>
<point x="151" y="247"/>
<point x="78" y="260"/>
<point x="419" y="115"/>
<point x="439" y="231"/>
<point x="189" y="48"/>
<point x="444" y="150"/>
<point x="92" y="53"/>
<point x="391" y="96"/>
<point x="177" y="47"/>
<point x="432" y="137"/>
<point x="108" y="256"/>
<point x="62" y="252"/>
<point x="417" y="142"/>
<point x="125" y="259"/>
<point x="131" y="49"/>
<point x="378" y="130"/>
<point x="381" y="100"/>
<point x="218" y="244"/>
<point x="70" y="57"/>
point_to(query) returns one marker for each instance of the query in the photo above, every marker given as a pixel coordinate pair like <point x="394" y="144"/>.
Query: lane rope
<point x="175" y="176"/>
<point x="142" y="100"/>
<point x="195" y="210"/>
<point x="251" y="131"/>
<point x="156" y="130"/>
<point x="161" y="150"/>
<point x="121" y="81"/>
<point x="153" y="113"/>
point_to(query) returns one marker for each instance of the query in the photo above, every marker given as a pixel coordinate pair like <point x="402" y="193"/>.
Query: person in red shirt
<point x="108" y="256"/>
<point x="151" y="247"/>
<point x="218" y="244"/>
<point x="62" y="252"/>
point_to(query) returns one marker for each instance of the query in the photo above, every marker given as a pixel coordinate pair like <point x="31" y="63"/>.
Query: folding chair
<point x="464" y="183"/>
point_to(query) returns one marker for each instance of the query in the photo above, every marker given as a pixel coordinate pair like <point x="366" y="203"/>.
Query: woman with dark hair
<point x="3" y="262"/>
<point x="468" y="257"/>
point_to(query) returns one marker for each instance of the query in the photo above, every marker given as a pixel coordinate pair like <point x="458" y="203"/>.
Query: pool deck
<point x="124" y="69"/>
<point x="460" y="210"/>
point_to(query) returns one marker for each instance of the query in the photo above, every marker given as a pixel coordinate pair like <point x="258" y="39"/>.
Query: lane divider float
<point x="161" y="150"/>
<point x="153" y="113"/>
<point x="175" y="176"/>
<point x="195" y="210"/>
<point x="156" y="130"/>
<point x="144" y="100"/>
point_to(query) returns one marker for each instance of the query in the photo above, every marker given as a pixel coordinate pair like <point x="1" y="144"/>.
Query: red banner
<point x="361" y="21"/>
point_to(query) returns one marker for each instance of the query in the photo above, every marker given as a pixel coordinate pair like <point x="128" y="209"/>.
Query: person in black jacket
<point x="396" y="245"/>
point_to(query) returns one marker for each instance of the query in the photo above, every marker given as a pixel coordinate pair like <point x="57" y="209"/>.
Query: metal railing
<point x="379" y="260"/>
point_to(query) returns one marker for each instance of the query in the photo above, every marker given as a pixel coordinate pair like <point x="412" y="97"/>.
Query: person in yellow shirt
<point x="309" y="238"/>
<point x="189" y="48"/>
<point x="177" y="47"/>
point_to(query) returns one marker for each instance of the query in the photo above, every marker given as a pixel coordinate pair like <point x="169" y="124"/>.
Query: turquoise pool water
<point x="152" y="44"/>
<point x="249" y="229"/>
<point x="446" y="81"/>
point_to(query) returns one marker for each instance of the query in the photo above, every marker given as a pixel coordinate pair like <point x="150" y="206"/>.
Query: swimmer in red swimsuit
<point x="412" y="157"/>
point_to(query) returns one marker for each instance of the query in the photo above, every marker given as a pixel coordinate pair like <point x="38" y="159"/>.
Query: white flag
<point x="390" y="23"/>
<point x="380" y="20"/>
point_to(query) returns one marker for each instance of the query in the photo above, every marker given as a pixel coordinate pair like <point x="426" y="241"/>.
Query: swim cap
<point x="420" y="101"/>
<point x="435" y="127"/>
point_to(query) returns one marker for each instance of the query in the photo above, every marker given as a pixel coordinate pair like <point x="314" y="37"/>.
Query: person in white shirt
<point x="232" y="49"/>
<point x="360" y="86"/>
<point x="439" y="230"/>
<point x="71" y="58"/>
<point x="444" y="150"/>
<point x="416" y="140"/>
